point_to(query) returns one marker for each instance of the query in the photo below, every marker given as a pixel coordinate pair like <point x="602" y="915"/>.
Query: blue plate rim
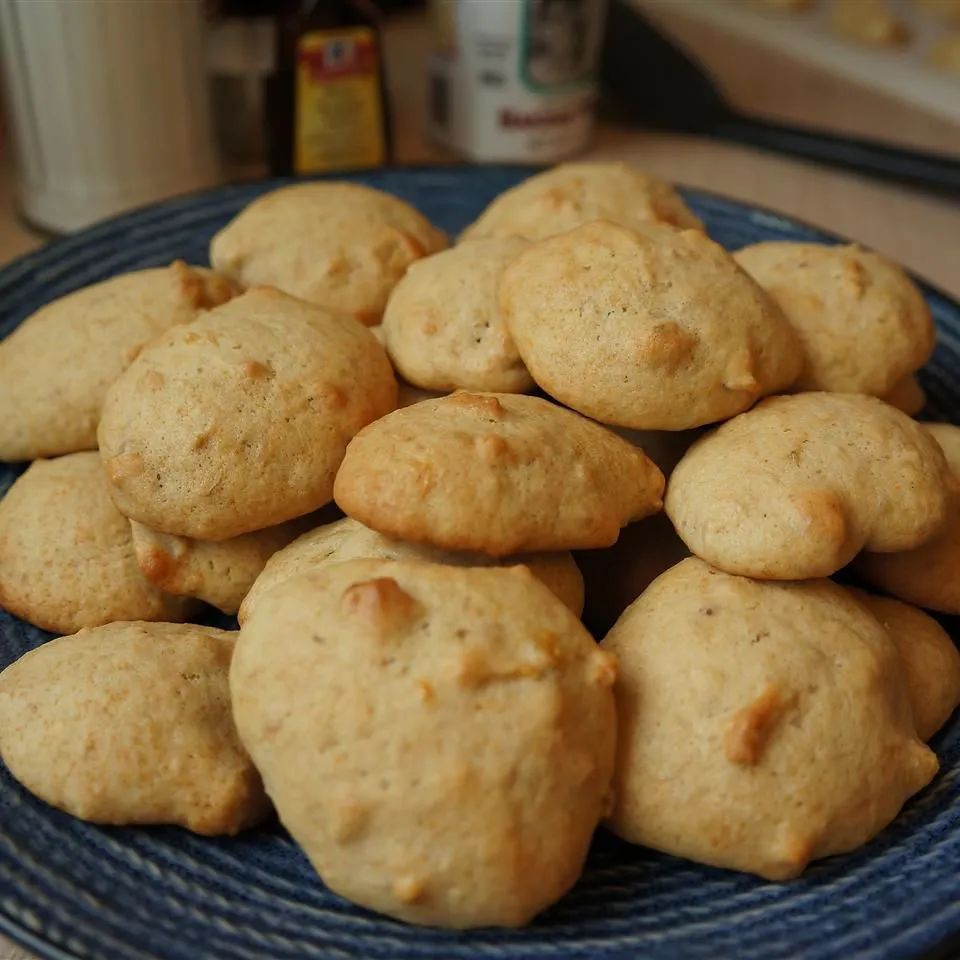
<point x="55" y="241"/>
<point x="13" y="928"/>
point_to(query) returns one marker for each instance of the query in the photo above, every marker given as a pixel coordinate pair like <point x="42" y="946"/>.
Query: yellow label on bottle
<point x="339" y="115"/>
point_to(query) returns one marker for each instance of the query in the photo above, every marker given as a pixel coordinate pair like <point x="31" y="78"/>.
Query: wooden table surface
<point x="920" y="230"/>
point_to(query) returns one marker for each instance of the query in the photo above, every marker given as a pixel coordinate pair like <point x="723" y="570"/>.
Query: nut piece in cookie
<point x="348" y="539"/>
<point x="760" y="725"/>
<point x="66" y="557"/>
<point x="439" y="740"/>
<point x="443" y="328"/>
<point x="341" y="246"/>
<point x="796" y="487"/>
<point x="931" y="662"/>
<point x="928" y="575"/>
<point x="496" y="474"/>
<point x="652" y="327"/>
<point x="56" y="366"/>
<point x="864" y="325"/>
<point x="130" y="723"/>
<point x="239" y="421"/>
<point x="571" y="194"/>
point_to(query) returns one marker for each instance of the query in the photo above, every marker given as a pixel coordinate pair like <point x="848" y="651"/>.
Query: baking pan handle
<point x="930" y="171"/>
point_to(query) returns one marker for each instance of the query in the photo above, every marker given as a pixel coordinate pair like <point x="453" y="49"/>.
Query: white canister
<point x="108" y="104"/>
<point x="515" y="80"/>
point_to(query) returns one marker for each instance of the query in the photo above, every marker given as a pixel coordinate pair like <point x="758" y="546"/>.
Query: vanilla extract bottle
<point x="328" y="108"/>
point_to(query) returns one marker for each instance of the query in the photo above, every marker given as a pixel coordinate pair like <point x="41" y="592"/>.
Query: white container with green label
<point x="515" y="80"/>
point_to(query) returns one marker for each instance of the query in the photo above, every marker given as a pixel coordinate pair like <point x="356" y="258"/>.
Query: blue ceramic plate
<point x="71" y="889"/>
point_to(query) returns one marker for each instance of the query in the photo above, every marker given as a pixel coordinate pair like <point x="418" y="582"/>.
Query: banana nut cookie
<point x="651" y="327"/>
<point x="496" y="474"/>
<point x="350" y="540"/>
<point x="796" y="487"/>
<point x="239" y="420"/>
<point x="863" y="322"/>
<point x="571" y="194"/>
<point x="928" y="575"/>
<point x="931" y="662"/>
<point x="439" y="740"/>
<point x="55" y="367"/>
<point x="760" y="725"/>
<point x="130" y="723"/>
<point x="340" y="245"/>
<point x="406" y="392"/>
<point x="66" y="557"/>
<point x="443" y="328"/>
<point x="219" y="572"/>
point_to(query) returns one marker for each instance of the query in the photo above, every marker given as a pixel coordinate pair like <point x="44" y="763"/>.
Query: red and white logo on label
<point x="339" y="57"/>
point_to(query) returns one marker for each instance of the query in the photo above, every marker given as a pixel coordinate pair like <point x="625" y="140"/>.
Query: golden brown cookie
<point x="239" y="421"/>
<point x="340" y="245"/>
<point x="406" y="392"/>
<point x="439" y="740"/>
<point x="130" y="723"/>
<point x="872" y="23"/>
<point x="928" y="575"/>
<point x="654" y="328"/>
<point x="66" y="556"/>
<point x="864" y="324"/>
<point x="55" y="367"/>
<point x="931" y="662"/>
<point x="219" y="572"/>
<point x="907" y="395"/>
<point x="571" y="194"/>
<point x="442" y="327"/>
<point x="349" y="540"/>
<point x="796" y="487"/>
<point x="760" y="725"/>
<point x="496" y="474"/>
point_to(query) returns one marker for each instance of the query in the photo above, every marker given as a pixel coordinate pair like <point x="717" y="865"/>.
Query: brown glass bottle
<point x="327" y="105"/>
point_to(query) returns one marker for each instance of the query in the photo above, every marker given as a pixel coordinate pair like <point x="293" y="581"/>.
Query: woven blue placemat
<point x="71" y="889"/>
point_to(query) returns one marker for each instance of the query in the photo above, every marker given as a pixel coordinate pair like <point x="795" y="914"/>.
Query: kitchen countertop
<point x="920" y="230"/>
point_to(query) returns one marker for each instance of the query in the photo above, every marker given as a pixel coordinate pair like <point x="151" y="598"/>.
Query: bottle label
<point x="339" y="113"/>
<point x="514" y="80"/>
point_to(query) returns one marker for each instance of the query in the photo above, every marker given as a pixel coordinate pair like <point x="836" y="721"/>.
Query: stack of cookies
<point x="378" y="452"/>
